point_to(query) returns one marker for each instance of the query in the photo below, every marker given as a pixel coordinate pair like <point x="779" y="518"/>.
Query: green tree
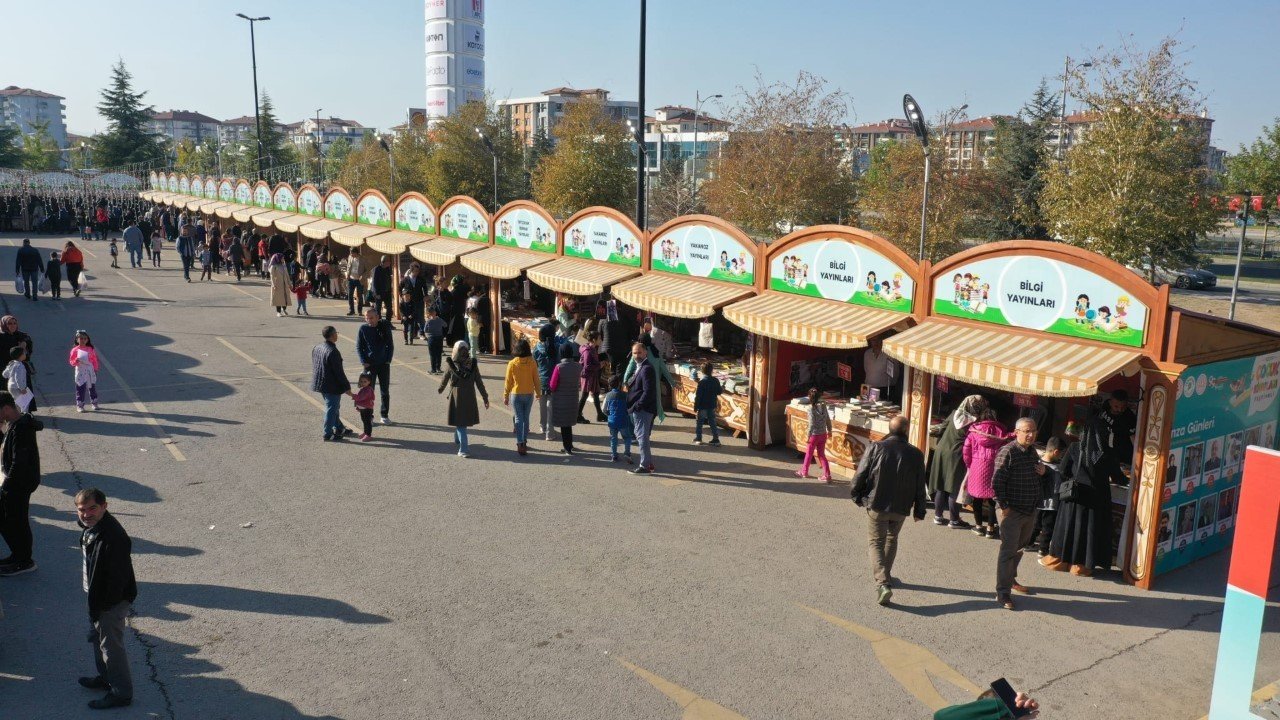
<point x="594" y="163"/>
<point x="1257" y="169"/>
<point x="461" y="164"/>
<point x="336" y="157"/>
<point x="1135" y="187"/>
<point x="10" y="147"/>
<point x="127" y="139"/>
<point x="1008" y="203"/>
<point x="39" y="151"/>
<point x="277" y="151"/>
<point x="534" y="154"/>
<point x="891" y="192"/>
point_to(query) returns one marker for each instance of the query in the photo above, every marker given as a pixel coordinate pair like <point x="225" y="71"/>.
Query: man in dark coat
<point x="29" y="266"/>
<point x="330" y="380"/>
<point x="375" y="346"/>
<point x="381" y="283"/>
<point x="642" y="403"/>
<point x="112" y="588"/>
<point x="890" y="485"/>
<point x="20" y="468"/>
<point x="235" y="255"/>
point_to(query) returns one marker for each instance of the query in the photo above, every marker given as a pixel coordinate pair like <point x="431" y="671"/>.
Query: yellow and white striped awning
<point x="320" y="229"/>
<point x="395" y="242"/>
<point x="169" y="198"/>
<point x="225" y="211"/>
<point x="267" y="218"/>
<point x="1007" y="360"/>
<point x="811" y="321"/>
<point x="355" y="235"/>
<point x="580" y="277"/>
<point x="194" y="203"/>
<point x="245" y="213"/>
<point x="504" y="263"/>
<point x="212" y="207"/>
<point x="146" y="194"/>
<point x="444" y="251"/>
<point x="291" y="223"/>
<point x="675" y="296"/>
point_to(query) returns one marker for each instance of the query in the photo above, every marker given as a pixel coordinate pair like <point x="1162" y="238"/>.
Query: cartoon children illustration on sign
<point x="1083" y="313"/>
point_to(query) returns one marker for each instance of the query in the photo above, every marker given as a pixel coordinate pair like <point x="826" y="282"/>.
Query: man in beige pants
<point x="890" y="484"/>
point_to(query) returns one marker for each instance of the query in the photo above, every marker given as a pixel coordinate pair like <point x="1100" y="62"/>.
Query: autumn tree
<point x="460" y="163"/>
<point x="784" y="165"/>
<point x="128" y="138"/>
<point x="1135" y="187"/>
<point x="594" y="163"/>
<point x="1257" y="169"/>
<point x="671" y="194"/>
<point x="39" y="151"/>
<point x="891" y="192"/>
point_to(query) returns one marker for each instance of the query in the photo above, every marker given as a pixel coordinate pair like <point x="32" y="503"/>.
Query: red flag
<point x="1256" y="202"/>
<point x="1235" y="204"/>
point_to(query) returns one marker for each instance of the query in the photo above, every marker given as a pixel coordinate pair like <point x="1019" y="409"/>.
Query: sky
<point x="364" y="60"/>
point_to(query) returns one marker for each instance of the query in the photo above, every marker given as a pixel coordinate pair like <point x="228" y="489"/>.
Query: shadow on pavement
<point x="151" y="596"/>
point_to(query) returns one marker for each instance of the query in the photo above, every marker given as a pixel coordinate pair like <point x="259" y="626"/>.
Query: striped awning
<point x="1007" y="360"/>
<point x="169" y="198"/>
<point x="504" y="263"/>
<point x="811" y="321"/>
<point x="395" y="242"/>
<point x="244" y="214"/>
<point x="225" y="211"/>
<point x="320" y="229"/>
<point x="444" y="251"/>
<point x="267" y="218"/>
<point x="291" y="223"/>
<point x="146" y="194"/>
<point x="355" y="235"/>
<point x="194" y="203"/>
<point x="674" y="296"/>
<point x="212" y="207"/>
<point x="580" y="277"/>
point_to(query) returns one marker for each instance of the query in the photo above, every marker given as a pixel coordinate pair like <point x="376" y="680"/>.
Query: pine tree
<point x="1010" y="201"/>
<point x="276" y="148"/>
<point x="10" y="151"/>
<point x="127" y="139"/>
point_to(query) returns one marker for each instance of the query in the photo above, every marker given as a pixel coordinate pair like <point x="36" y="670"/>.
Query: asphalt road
<point x="283" y="577"/>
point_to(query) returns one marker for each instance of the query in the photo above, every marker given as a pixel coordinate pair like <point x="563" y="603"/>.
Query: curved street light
<point x="915" y="116"/>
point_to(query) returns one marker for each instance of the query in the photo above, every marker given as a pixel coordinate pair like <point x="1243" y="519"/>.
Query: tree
<point x="39" y="151"/>
<point x="461" y="164"/>
<point x="336" y="157"/>
<point x="891" y="192"/>
<point x="1257" y="169"/>
<point x="127" y="139"/>
<point x="1008" y="201"/>
<point x="368" y="167"/>
<point x="277" y="151"/>
<point x="784" y="166"/>
<point x="10" y="147"/>
<point x="672" y="193"/>
<point x="593" y="163"/>
<point x="1135" y="187"/>
<point x="534" y="154"/>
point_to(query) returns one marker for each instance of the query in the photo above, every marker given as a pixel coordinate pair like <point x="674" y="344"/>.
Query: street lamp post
<point x="643" y="162"/>
<point x="320" y="145"/>
<point x="494" y="152"/>
<point x="391" y="160"/>
<point x="1062" y="119"/>
<point x="641" y="179"/>
<point x="1244" y="228"/>
<point x="915" y="116"/>
<point x="697" y="105"/>
<point x="253" y="53"/>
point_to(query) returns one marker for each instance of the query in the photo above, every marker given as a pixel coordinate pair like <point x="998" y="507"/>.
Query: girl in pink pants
<point x="819" y="431"/>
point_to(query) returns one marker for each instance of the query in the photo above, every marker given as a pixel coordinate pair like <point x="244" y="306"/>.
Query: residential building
<point x="236" y="129"/>
<point x="1077" y="124"/>
<point x="526" y="117"/>
<point x="25" y="107"/>
<point x="327" y="131"/>
<point x="183" y="125"/>
<point x="965" y="142"/>
<point x="669" y="135"/>
<point x="861" y="139"/>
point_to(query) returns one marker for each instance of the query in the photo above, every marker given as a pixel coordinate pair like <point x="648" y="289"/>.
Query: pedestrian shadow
<point x="69" y="483"/>
<point x="156" y="599"/>
<point x="79" y="425"/>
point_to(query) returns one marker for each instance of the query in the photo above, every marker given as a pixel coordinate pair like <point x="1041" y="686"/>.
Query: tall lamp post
<point x="697" y="105"/>
<point x="253" y="53"/>
<point x="391" y="160"/>
<point x="915" y="116"/>
<point x="1062" y="119"/>
<point x="494" y="152"/>
<point x="643" y="162"/>
<point x="1244" y="228"/>
<point x="320" y="145"/>
<point x="641" y="179"/>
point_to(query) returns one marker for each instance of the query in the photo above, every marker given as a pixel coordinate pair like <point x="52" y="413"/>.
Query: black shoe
<point x="940" y="521"/>
<point x="18" y="568"/>
<point x="566" y="451"/>
<point x="959" y="525"/>
<point x="582" y="420"/>
<point x="640" y="470"/>
<point x="346" y="431"/>
<point x="327" y="437"/>
<point x="110" y="700"/>
<point x="94" y="683"/>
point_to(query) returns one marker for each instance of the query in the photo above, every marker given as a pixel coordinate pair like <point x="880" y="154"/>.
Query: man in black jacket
<point x="375" y="346"/>
<point x="108" y="580"/>
<point x="20" y="469"/>
<point x="381" y="283"/>
<point x="29" y="266"/>
<point x="890" y="484"/>
<point x="330" y="380"/>
<point x="642" y="403"/>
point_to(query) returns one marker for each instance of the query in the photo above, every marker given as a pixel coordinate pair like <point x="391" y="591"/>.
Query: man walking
<point x="235" y="255"/>
<point x="381" y="284"/>
<point x="186" y="247"/>
<point x="133" y="246"/>
<point x="1017" y="486"/>
<point x="29" y="266"/>
<point x="20" y="469"/>
<point x="330" y="380"/>
<point x="110" y="584"/>
<point x="890" y="484"/>
<point x="642" y="403"/>
<point x="355" y="282"/>
<point x="375" y="346"/>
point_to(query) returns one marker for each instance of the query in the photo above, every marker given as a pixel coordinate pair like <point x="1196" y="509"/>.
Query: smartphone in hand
<point x="1006" y="693"/>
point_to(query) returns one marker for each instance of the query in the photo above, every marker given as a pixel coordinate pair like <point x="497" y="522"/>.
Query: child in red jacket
<point x="300" y="290"/>
<point x="364" y="404"/>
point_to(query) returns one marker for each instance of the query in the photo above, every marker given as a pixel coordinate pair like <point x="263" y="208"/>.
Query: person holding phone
<point x="993" y="704"/>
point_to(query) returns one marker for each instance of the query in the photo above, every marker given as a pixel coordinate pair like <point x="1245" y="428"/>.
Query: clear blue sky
<point x="364" y="60"/>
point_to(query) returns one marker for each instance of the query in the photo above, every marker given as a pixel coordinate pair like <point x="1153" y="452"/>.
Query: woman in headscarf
<point x="1082" y="534"/>
<point x="281" y="288"/>
<point x="946" y="465"/>
<point x="462" y="380"/>
<point x="659" y="367"/>
<point x="11" y="337"/>
<point x="565" y="379"/>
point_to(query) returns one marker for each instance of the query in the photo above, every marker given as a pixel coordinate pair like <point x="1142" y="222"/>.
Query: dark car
<point x="1186" y="278"/>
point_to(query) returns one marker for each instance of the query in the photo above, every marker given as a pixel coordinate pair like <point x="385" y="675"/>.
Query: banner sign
<point x="284" y="199"/>
<point x="600" y="237"/>
<point x="373" y="210"/>
<point x="703" y="251"/>
<point x="184" y="185"/>
<point x="244" y="193"/>
<point x="226" y="191"/>
<point x="837" y="269"/>
<point x="524" y="228"/>
<point x="310" y="202"/>
<point x="1222" y="408"/>
<point x="1037" y="293"/>
<point x="463" y="221"/>
<point x="415" y="216"/>
<point x="211" y="188"/>
<point x="261" y="195"/>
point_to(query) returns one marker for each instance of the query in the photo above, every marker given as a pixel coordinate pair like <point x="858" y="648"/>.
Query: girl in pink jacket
<point x="85" y="361"/>
<point x="984" y="440"/>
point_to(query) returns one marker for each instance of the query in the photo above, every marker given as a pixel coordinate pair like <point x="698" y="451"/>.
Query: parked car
<point x="1186" y="278"/>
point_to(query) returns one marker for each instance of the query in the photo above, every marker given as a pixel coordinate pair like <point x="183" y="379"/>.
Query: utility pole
<point x="494" y="152"/>
<point x="1244" y="228"/>
<point x="641" y="171"/>
<point x="253" y="53"/>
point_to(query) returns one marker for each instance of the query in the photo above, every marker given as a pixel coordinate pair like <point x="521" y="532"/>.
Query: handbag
<point x="963" y="497"/>
<point x="1078" y="487"/>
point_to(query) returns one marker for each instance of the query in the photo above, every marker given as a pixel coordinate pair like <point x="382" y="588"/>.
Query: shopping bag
<point x="963" y="497"/>
<point x="706" y="335"/>
<point x="84" y="283"/>
<point x="19" y="286"/>
<point x="44" y="284"/>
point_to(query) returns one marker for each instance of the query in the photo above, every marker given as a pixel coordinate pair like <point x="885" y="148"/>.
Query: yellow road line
<point x="277" y="376"/>
<point x="146" y="414"/>
<point x="694" y="706"/>
<point x="909" y="664"/>
<point x="139" y="285"/>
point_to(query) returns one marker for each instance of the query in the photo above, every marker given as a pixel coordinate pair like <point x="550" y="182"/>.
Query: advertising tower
<point x="455" y="55"/>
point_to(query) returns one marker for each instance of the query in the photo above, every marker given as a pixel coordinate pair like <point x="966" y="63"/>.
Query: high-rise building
<point x="180" y="125"/>
<point x="24" y="108"/>
<point x="529" y="116"/>
<point x="455" y="55"/>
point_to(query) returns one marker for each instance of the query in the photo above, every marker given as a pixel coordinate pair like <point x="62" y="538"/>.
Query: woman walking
<point x="281" y="289"/>
<point x="565" y="379"/>
<point x="520" y="389"/>
<point x="73" y="263"/>
<point x="981" y="444"/>
<point x="589" y="356"/>
<point x="1082" y="532"/>
<point x="462" y="380"/>
<point x="946" y="466"/>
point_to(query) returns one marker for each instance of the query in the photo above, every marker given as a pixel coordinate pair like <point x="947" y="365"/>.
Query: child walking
<point x="300" y="290"/>
<point x="408" y="316"/>
<point x="474" y="327"/>
<point x="705" y="399"/>
<point x="819" y="431"/>
<point x="115" y="254"/>
<point x="435" y="338"/>
<point x="157" y="244"/>
<point x="620" y="425"/>
<point x="363" y="397"/>
<point x="53" y="271"/>
<point x="84" y="358"/>
<point x="206" y="263"/>
<point x="16" y="373"/>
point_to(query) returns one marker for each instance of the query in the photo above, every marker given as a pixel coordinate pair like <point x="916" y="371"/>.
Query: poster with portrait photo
<point x="1227" y="509"/>
<point x="1164" y="535"/>
<point x="1214" y="460"/>
<point x="1209" y="479"/>
<point x="1269" y="435"/>
<point x="1171" y="471"/>
<point x="1253" y="435"/>
<point x="1185" y="528"/>
<point x="1208" y="514"/>
<point x="1192" y="459"/>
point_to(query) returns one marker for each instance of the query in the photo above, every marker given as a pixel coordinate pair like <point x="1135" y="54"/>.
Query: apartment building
<point x="327" y="131"/>
<point x="526" y="117"/>
<point x="25" y="107"/>
<point x="183" y="125"/>
<point x="670" y="135"/>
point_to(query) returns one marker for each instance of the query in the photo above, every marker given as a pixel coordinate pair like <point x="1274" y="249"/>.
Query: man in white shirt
<point x="880" y="371"/>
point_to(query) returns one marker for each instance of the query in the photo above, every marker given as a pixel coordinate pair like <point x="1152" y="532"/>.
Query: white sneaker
<point x="79" y="409"/>
<point x="385" y="420"/>
<point x="462" y="454"/>
<point x="95" y="406"/>
<point x="278" y="314"/>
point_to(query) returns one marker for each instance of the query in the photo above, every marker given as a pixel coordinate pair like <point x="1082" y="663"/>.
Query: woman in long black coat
<point x="1082" y="535"/>
<point x="946" y="464"/>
